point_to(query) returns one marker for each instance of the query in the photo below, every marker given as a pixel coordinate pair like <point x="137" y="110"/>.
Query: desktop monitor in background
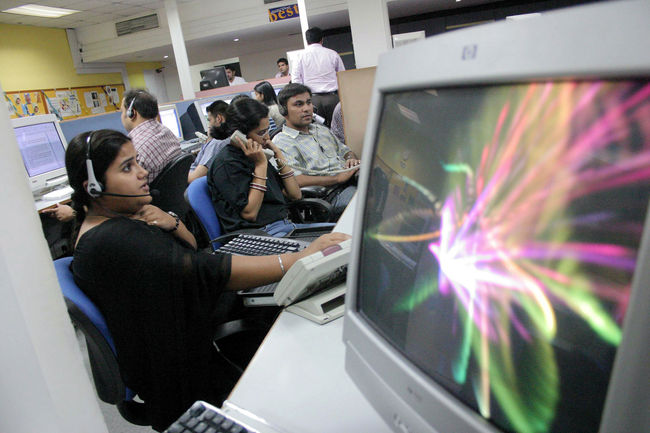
<point x="501" y="262"/>
<point x="198" y="119"/>
<point x="213" y="78"/>
<point x="204" y="107"/>
<point x="169" y="118"/>
<point x="42" y="147"/>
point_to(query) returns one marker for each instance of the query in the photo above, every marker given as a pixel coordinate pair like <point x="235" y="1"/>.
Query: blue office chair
<point x="101" y="349"/>
<point x="198" y="196"/>
<point x="235" y="341"/>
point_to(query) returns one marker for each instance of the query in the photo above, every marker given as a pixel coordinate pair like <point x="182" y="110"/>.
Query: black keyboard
<point x="205" y="418"/>
<point x="252" y="245"/>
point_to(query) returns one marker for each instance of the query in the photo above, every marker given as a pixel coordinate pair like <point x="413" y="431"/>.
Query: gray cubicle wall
<point x="72" y="128"/>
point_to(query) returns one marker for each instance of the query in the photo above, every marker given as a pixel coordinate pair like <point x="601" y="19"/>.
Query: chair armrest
<point x="309" y="210"/>
<point x="315" y="191"/>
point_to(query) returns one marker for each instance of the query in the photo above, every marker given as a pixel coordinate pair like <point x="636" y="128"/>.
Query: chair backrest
<point x="101" y="348"/>
<point x="199" y="198"/>
<point x="171" y="183"/>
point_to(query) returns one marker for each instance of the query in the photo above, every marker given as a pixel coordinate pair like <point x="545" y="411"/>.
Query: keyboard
<point x="60" y="193"/>
<point x="253" y="245"/>
<point x="202" y="417"/>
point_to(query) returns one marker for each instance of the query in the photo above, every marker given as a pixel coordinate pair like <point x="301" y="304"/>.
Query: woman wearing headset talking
<point x="158" y="294"/>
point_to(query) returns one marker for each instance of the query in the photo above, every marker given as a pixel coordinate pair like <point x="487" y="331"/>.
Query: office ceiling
<point x="100" y="11"/>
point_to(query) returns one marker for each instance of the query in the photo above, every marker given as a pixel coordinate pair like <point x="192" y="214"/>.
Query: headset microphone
<point x="153" y="193"/>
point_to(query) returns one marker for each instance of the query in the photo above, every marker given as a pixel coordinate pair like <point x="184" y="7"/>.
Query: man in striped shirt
<point x="155" y="144"/>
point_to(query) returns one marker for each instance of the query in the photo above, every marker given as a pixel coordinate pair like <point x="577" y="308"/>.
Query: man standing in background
<point x="233" y="79"/>
<point x="283" y="68"/>
<point x="316" y="68"/>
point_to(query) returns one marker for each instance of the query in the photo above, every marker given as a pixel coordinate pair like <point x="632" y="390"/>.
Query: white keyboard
<point x="58" y="194"/>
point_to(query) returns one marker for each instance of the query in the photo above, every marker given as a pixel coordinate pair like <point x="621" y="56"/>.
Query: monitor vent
<point x="137" y="25"/>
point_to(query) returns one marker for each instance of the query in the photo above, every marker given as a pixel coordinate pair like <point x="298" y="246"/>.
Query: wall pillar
<point x="370" y="30"/>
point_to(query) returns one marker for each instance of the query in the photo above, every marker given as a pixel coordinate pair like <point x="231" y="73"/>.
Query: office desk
<point x="296" y="381"/>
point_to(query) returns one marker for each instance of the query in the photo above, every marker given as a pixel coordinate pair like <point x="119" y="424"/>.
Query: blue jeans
<point x="281" y="228"/>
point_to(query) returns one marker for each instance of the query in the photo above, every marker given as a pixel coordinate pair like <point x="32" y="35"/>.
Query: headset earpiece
<point x="93" y="188"/>
<point x="130" y="113"/>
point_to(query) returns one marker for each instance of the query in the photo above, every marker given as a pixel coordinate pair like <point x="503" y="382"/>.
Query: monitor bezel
<point x="500" y="53"/>
<point x="167" y="107"/>
<point x="39" y="182"/>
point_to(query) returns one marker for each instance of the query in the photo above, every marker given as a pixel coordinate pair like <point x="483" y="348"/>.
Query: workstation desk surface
<point x="297" y="382"/>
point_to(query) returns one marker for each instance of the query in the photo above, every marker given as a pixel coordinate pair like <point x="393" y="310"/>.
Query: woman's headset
<point x="94" y="187"/>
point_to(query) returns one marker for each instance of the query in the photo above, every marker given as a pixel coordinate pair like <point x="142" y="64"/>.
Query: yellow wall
<point x="136" y="77"/>
<point x="34" y="58"/>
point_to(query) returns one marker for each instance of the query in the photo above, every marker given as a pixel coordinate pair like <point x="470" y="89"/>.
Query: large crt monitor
<point x="499" y="280"/>
<point x="42" y="146"/>
<point x="169" y="118"/>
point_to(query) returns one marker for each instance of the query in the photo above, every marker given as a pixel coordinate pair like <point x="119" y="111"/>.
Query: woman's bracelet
<point x="258" y="187"/>
<point x="281" y="264"/>
<point x="280" y="167"/>
<point x="259" y="177"/>
<point x="287" y="175"/>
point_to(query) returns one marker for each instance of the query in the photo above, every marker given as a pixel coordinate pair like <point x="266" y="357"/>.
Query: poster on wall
<point x="95" y="101"/>
<point x="65" y="104"/>
<point x="25" y="104"/>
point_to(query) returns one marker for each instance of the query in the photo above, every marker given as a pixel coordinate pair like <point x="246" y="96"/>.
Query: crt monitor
<point x="169" y="118"/>
<point x="501" y="259"/>
<point x="214" y="78"/>
<point x="42" y="147"/>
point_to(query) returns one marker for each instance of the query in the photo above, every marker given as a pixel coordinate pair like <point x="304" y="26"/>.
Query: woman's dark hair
<point x="244" y="114"/>
<point x="104" y="145"/>
<point x="266" y="90"/>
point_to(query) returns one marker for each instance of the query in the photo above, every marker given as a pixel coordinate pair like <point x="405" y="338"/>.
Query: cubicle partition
<point x="73" y="127"/>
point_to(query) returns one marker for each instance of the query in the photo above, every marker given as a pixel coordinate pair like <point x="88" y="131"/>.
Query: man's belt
<point x="334" y="92"/>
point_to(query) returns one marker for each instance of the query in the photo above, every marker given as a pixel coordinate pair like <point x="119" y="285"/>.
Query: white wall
<point x="44" y="386"/>
<point x="200" y="19"/>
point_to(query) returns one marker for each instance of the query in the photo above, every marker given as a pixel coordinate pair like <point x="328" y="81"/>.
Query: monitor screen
<point x="169" y="118"/>
<point x="501" y="230"/>
<point x="215" y="77"/>
<point x="42" y="148"/>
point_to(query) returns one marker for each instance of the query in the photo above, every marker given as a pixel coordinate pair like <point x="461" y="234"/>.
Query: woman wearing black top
<point x="158" y="294"/>
<point x="247" y="191"/>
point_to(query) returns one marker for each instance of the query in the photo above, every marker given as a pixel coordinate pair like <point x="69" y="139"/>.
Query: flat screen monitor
<point x="169" y="118"/>
<point x="500" y="269"/>
<point x="42" y="147"/>
<point x="215" y="77"/>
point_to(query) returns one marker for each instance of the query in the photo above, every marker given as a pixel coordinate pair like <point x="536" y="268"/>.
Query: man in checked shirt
<point x="313" y="152"/>
<point x="155" y="144"/>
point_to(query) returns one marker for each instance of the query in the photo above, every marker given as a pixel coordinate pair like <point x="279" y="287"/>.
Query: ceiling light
<point x="40" y="11"/>
<point x="165" y="57"/>
<point x="236" y="39"/>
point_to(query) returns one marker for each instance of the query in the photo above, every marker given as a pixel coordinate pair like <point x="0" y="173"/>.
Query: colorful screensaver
<point x="501" y="234"/>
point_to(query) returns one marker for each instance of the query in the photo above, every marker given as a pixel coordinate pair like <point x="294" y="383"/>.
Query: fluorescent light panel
<point x="40" y="11"/>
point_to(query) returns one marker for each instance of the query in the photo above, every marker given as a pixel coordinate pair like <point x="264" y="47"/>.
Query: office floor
<point x="114" y="421"/>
